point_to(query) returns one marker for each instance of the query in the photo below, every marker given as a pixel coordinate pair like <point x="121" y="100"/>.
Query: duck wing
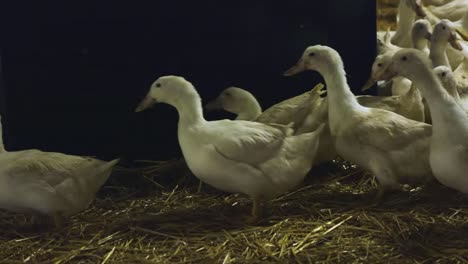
<point x="389" y="131"/>
<point x="295" y="109"/>
<point x="247" y="142"/>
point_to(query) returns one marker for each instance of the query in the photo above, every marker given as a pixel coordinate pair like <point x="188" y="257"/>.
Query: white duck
<point x="408" y="104"/>
<point x="246" y="107"/>
<point x="49" y="183"/>
<point x="259" y="160"/>
<point x="395" y="149"/>
<point x="452" y="10"/>
<point x="436" y="2"/>
<point x="406" y="99"/>
<point x="384" y="42"/>
<point x="407" y="11"/>
<point x="447" y="78"/>
<point x="421" y="35"/>
<point x="238" y="101"/>
<point x="449" y="142"/>
<point x="391" y="40"/>
<point x="442" y="35"/>
<point x="455" y="55"/>
<point x="307" y="111"/>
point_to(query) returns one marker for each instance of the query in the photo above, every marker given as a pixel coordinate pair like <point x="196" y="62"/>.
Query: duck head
<point x="445" y="75"/>
<point x="237" y="101"/>
<point x="409" y="63"/>
<point x="420" y="33"/>
<point x="379" y="70"/>
<point x="170" y="90"/>
<point x="444" y="32"/>
<point x="316" y="58"/>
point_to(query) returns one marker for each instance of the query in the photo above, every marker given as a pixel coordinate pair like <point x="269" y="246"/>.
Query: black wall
<point x="74" y="71"/>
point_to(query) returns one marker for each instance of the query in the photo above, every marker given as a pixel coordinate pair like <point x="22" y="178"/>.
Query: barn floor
<point x="161" y="218"/>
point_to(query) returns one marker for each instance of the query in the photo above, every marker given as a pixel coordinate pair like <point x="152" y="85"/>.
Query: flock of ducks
<point x="419" y="135"/>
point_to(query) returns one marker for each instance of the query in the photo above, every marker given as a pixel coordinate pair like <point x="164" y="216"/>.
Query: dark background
<point x="74" y="71"/>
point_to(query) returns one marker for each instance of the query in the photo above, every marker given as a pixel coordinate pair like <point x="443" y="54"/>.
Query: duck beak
<point x="463" y="34"/>
<point x="298" y="68"/>
<point x="388" y="74"/>
<point x="145" y="104"/>
<point x="213" y="105"/>
<point x="368" y="84"/>
<point x="428" y="36"/>
<point x="418" y="8"/>
<point x="454" y="42"/>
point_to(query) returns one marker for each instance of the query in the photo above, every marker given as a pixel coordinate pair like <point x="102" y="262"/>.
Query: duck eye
<point x="444" y="28"/>
<point x="444" y="74"/>
<point x="404" y="58"/>
<point x="227" y="94"/>
<point x="311" y="54"/>
<point x="158" y="85"/>
<point x="379" y="65"/>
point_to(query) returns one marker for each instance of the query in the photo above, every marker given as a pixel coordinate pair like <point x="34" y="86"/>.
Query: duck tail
<point x="318" y="89"/>
<point x="307" y="144"/>
<point x="103" y="170"/>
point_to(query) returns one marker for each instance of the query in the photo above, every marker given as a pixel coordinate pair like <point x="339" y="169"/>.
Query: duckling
<point x="259" y="160"/>
<point x="49" y="184"/>
<point x="447" y="78"/>
<point x="449" y="141"/>
<point x="395" y="149"/>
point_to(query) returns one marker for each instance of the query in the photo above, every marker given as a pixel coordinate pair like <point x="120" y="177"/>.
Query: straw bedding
<point x="154" y="214"/>
<point x="386" y="14"/>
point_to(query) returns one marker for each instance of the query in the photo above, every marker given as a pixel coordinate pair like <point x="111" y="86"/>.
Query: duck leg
<point x="379" y="197"/>
<point x="58" y="220"/>
<point x="200" y="185"/>
<point x="257" y="211"/>
<point x="386" y="182"/>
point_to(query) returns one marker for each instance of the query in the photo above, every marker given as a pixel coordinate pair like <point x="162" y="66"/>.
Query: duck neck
<point x="190" y="112"/>
<point x="249" y="110"/>
<point x="340" y="96"/>
<point x="413" y="93"/>
<point x="438" y="54"/>
<point x="440" y="101"/>
<point x="419" y="43"/>
<point x="251" y="113"/>
<point x="405" y="22"/>
<point x="451" y="88"/>
<point x="464" y="22"/>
